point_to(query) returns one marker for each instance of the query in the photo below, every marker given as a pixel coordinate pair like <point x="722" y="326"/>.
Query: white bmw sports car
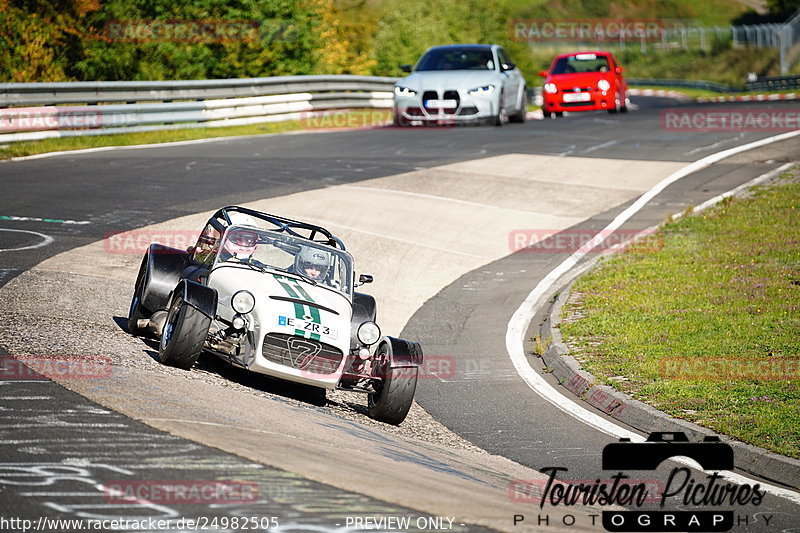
<point x="461" y="83"/>
<point x="275" y="296"/>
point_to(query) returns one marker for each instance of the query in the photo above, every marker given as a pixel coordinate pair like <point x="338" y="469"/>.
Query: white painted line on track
<point x="522" y="317"/>
<point x="154" y="145"/>
<point x="438" y="198"/>
<point x="398" y="239"/>
<point x="46" y="239"/>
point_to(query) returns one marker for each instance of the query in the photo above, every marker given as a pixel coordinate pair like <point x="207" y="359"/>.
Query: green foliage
<point x="403" y="34"/>
<point x="238" y="39"/>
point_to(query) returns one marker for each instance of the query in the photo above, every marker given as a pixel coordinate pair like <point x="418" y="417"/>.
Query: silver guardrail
<point x="33" y="111"/>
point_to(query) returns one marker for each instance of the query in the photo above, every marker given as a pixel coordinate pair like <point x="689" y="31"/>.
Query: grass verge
<point x="705" y="327"/>
<point x="332" y="119"/>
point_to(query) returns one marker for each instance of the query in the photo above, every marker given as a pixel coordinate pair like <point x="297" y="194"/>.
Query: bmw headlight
<point x="243" y="302"/>
<point x="369" y="333"/>
<point x="404" y="91"/>
<point x="481" y="91"/>
<point x="550" y="88"/>
<point x="603" y="85"/>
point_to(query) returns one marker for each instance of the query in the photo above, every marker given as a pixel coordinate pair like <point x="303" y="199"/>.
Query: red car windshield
<point x="581" y="63"/>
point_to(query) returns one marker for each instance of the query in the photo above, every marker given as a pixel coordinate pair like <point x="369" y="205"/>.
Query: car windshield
<point x="267" y="250"/>
<point x="581" y="63"/>
<point x="457" y="59"/>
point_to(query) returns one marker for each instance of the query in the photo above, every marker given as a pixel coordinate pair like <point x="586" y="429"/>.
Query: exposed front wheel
<point x="395" y="392"/>
<point x="136" y="311"/>
<point x="184" y="334"/>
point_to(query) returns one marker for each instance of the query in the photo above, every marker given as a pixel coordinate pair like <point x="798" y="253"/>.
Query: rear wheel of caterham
<point x="393" y="394"/>
<point x="184" y="334"/>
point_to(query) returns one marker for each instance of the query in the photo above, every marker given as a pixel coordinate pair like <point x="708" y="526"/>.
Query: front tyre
<point x="393" y="394"/>
<point x="136" y="311"/>
<point x="501" y="116"/>
<point x="184" y="335"/>
<point x="522" y="110"/>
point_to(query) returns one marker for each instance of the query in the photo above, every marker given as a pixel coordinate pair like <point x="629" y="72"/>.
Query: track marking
<point x="522" y="317"/>
<point x="39" y="219"/>
<point x="46" y="239"/>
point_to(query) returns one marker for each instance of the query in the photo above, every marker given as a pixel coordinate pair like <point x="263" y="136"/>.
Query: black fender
<point x="402" y="353"/>
<point x="364" y="309"/>
<point x="162" y="267"/>
<point x="202" y="298"/>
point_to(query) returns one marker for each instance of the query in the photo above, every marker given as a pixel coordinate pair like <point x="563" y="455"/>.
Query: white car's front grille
<point x="304" y="354"/>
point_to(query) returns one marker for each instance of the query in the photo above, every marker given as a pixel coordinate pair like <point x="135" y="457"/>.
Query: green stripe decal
<point x="298" y="308"/>
<point x="302" y="291"/>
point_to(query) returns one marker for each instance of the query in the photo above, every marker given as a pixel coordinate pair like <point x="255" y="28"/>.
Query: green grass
<point x="335" y="119"/>
<point x="723" y="292"/>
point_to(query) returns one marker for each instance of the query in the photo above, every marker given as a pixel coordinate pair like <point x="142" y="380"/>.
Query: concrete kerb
<point x="751" y="459"/>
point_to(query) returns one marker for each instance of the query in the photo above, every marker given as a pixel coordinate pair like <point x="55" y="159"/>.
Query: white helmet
<point x="242" y="219"/>
<point x="314" y="260"/>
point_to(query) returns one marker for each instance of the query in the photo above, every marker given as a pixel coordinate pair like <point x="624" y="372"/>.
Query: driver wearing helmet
<point x="240" y="245"/>
<point x="241" y="242"/>
<point x="313" y="263"/>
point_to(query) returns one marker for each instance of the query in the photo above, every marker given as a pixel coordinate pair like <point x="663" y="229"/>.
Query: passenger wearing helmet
<point x="313" y="263"/>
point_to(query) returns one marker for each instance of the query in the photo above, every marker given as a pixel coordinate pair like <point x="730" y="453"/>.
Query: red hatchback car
<point x="584" y="81"/>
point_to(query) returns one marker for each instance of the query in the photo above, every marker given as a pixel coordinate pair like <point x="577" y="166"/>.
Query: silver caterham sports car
<point x="275" y="296"/>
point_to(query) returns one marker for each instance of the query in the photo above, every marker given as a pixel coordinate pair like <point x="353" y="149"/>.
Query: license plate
<point x="577" y="97"/>
<point x="440" y="103"/>
<point x="307" y="325"/>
